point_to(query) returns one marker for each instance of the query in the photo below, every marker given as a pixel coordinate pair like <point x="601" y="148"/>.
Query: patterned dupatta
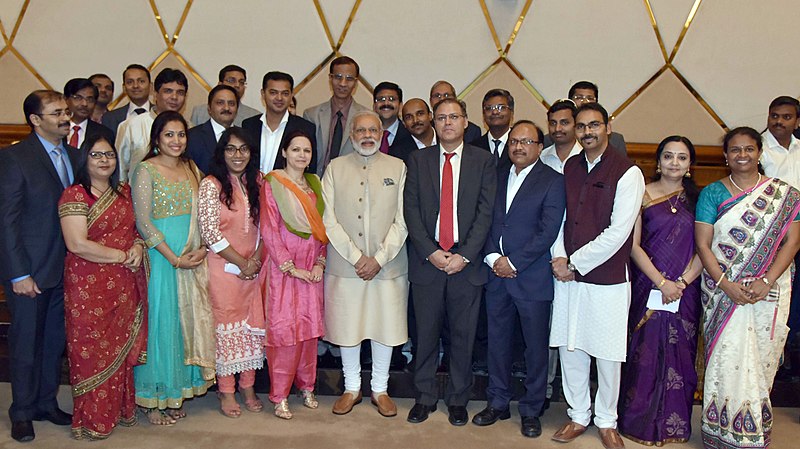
<point x="300" y="214"/>
<point x="747" y="236"/>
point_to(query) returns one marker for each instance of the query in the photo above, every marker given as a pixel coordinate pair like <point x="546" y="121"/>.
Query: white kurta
<point x="133" y="141"/>
<point x="590" y="317"/>
<point x="364" y="216"/>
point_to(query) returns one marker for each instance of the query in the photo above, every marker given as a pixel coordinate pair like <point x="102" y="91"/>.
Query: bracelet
<point x="177" y="262"/>
<point x="663" y="281"/>
<point x="124" y="256"/>
<point x="722" y="276"/>
<point x="766" y="281"/>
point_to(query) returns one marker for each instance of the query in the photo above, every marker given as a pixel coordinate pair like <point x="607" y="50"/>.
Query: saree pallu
<point x="744" y="343"/>
<point x="106" y="316"/>
<point x="659" y="378"/>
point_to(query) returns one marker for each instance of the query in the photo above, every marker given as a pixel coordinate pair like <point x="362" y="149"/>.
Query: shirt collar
<point x="217" y="128"/>
<point x="525" y="170"/>
<point x="132" y="107"/>
<point x="345" y="109"/>
<point x="421" y="145"/>
<point x="503" y="138"/>
<point x="393" y="127"/>
<point x="457" y="151"/>
<point x="772" y="142"/>
<point x="48" y="146"/>
<point x="82" y="125"/>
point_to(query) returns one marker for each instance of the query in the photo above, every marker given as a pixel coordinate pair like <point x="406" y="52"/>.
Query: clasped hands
<point x="741" y="293"/>
<point x="133" y="257"/>
<point x="311" y="276"/>
<point x="502" y="268"/>
<point x="367" y="267"/>
<point x="560" y="269"/>
<point x="450" y="263"/>
<point x="250" y="269"/>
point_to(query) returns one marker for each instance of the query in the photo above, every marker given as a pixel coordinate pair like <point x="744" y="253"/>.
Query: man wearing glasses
<point x="448" y="202"/>
<point x="387" y="101"/>
<point x="236" y="77"/>
<point x="33" y="174"/>
<point x="223" y="103"/>
<point x="443" y="89"/>
<point x="333" y="117"/>
<point x="81" y="95"/>
<point x="498" y="113"/>
<point x="584" y="92"/>
<point x="590" y="262"/>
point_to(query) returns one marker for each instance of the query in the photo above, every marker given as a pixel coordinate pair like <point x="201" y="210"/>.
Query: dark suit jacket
<point x="472" y="132"/>
<point x="30" y="230"/>
<point x="528" y="229"/>
<point x="296" y="123"/>
<point x="504" y="164"/>
<point x="201" y="144"/>
<point x="616" y="140"/>
<point x="93" y="129"/>
<point x="114" y="117"/>
<point x="476" y="193"/>
<point x="403" y="143"/>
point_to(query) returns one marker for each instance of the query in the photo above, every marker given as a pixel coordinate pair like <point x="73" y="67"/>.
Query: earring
<point x="658" y="169"/>
<point x="155" y="150"/>
<point x="687" y="174"/>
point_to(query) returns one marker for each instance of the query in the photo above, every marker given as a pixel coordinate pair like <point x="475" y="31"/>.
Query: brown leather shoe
<point x="611" y="439"/>
<point x="569" y="432"/>
<point x="346" y="402"/>
<point x="385" y="404"/>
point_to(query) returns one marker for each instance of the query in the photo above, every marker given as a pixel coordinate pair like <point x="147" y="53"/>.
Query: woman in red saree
<point x="104" y="294"/>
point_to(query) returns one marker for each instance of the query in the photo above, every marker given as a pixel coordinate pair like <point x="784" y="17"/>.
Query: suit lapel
<point x="41" y="155"/>
<point x="433" y="170"/>
<point x="527" y="186"/>
<point x="325" y="121"/>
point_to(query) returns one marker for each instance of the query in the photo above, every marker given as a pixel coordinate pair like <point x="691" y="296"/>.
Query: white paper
<point x="232" y="268"/>
<point x="655" y="302"/>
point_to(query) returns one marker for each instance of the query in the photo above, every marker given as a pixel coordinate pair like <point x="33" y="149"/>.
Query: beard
<point x="366" y="151"/>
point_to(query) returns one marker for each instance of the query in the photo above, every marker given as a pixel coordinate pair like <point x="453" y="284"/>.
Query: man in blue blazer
<point x="528" y="212"/>
<point x="33" y="174"/>
<point x="223" y="104"/>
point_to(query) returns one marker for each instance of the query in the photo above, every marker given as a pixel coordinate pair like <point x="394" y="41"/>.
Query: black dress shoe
<point x="57" y="417"/>
<point x="489" y="416"/>
<point x="458" y="415"/>
<point x="22" y="431"/>
<point x="531" y="426"/>
<point x="419" y="412"/>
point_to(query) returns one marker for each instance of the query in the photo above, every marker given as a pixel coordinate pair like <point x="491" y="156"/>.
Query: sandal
<point x="158" y="417"/>
<point x="309" y="399"/>
<point x="228" y="405"/>
<point x="282" y="410"/>
<point x="176" y="413"/>
<point x="251" y="401"/>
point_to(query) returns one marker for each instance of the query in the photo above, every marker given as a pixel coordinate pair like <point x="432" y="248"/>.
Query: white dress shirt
<point x="455" y="163"/>
<point x="780" y="162"/>
<point x="132" y="108"/>
<point x="421" y="145"/>
<point x="81" y="133"/>
<point x="515" y="181"/>
<point x="217" y="128"/>
<point x="270" y="142"/>
<point x="550" y="157"/>
<point x="393" y="131"/>
<point x="503" y="142"/>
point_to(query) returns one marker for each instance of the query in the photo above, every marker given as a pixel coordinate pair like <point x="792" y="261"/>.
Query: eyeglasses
<point x="496" y="107"/>
<point x="231" y="150"/>
<point x="235" y="82"/>
<point x="342" y="76"/>
<point x="453" y="117"/>
<point x="524" y="142"/>
<point x="593" y="126"/>
<point x="58" y="113"/>
<point x="589" y="98"/>
<point x="100" y="154"/>
<point x="80" y="98"/>
<point x="363" y="131"/>
<point x="390" y="99"/>
<point x="442" y="96"/>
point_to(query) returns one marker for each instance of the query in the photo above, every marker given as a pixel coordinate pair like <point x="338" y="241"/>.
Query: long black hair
<point x="158" y="126"/>
<point x="82" y="171"/>
<point x="219" y="169"/>
<point x="690" y="189"/>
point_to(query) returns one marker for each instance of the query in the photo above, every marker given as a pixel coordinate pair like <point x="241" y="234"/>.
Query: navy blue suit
<point x="528" y="230"/>
<point x="201" y="144"/>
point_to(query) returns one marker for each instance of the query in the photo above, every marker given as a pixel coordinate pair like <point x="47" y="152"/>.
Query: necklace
<point x="101" y="191"/>
<point x="730" y="177"/>
<point x="674" y="207"/>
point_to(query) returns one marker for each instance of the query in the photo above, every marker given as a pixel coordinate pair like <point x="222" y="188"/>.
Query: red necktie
<point x="73" y="141"/>
<point x="446" y="239"/>
<point x="385" y="142"/>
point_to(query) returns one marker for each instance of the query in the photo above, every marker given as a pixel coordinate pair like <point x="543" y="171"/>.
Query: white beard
<point x="363" y="151"/>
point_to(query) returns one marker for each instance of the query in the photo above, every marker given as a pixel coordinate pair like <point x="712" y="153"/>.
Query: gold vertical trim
<point x="492" y="29"/>
<point x="30" y="68"/>
<point x="686" y="25"/>
<point x="159" y="22"/>
<point x="698" y="97"/>
<point x="324" y="21"/>
<point x="347" y="26"/>
<point x="527" y="84"/>
<point x="191" y="69"/>
<point x="3" y="33"/>
<point x="158" y="59"/>
<point x="639" y="91"/>
<point x="656" y="30"/>
<point x="181" y="22"/>
<point x="480" y="78"/>
<point x="19" y="21"/>
<point x="4" y="51"/>
<point x="517" y="27"/>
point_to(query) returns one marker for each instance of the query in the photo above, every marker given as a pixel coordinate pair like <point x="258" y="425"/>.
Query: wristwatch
<point x="465" y="259"/>
<point x="571" y="266"/>
<point x="766" y="281"/>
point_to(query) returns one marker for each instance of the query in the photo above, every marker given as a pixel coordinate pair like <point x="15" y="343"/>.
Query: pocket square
<point x="388" y="181"/>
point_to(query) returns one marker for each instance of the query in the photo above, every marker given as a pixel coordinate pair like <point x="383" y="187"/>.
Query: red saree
<point x="106" y="316"/>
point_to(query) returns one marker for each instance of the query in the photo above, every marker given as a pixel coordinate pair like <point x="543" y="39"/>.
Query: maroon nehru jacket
<point x="590" y="200"/>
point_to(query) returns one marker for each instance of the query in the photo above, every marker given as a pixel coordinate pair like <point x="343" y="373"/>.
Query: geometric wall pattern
<point x="693" y="67"/>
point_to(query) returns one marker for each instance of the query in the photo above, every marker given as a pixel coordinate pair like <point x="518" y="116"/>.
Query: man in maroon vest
<point x="590" y="262"/>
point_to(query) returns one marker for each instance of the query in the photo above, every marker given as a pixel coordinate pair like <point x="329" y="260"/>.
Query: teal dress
<point x="164" y="214"/>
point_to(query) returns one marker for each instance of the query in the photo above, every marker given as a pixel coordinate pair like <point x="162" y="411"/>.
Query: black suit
<point x="436" y="295"/>
<point x="201" y="144"/>
<point x="31" y="244"/>
<point x="93" y="129"/>
<point x="528" y="230"/>
<point x="113" y="118"/>
<point x="484" y="141"/>
<point x="403" y="143"/>
<point x="472" y="132"/>
<point x="296" y="123"/>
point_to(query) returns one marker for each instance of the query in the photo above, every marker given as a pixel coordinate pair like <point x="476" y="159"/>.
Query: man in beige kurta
<point x="366" y="279"/>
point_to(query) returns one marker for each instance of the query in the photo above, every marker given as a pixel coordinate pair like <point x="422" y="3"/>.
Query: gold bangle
<point x="663" y="281"/>
<point x="177" y="262"/>
<point x="722" y="276"/>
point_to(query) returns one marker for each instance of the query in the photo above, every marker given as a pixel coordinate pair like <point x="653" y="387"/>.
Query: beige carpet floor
<point x="205" y="428"/>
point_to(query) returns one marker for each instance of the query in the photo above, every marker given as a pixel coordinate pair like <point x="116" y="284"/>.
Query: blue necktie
<point x="61" y="167"/>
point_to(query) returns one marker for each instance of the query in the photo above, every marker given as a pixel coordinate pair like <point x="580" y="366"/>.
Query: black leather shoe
<point x="22" y="431"/>
<point x="458" y="415"/>
<point x="57" y="417"/>
<point x="531" y="426"/>
<point x="489" y="416"/>
<point x="419" y="412"/>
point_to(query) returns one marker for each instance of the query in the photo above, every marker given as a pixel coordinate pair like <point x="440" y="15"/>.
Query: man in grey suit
<point x="236" y="77"/>
<point x="33" y="174"/>
<point x="136" y="83"/>
<point x="333" y="117"/>
<point x="448" y="200"/>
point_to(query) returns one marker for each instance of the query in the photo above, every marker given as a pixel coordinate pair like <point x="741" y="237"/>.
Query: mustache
<point x="386" y="106"/>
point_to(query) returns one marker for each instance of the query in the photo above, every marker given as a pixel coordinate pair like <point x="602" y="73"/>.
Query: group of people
<point x="169" y="258"/>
